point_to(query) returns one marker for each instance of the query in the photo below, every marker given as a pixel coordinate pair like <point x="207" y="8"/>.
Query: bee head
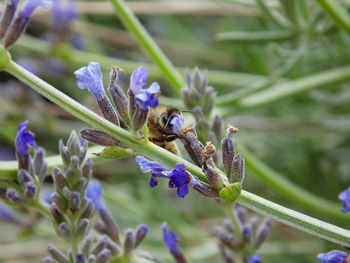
<point x="167" y="117"/>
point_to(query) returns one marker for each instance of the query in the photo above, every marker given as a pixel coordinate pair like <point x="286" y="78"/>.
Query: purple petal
<point x="334" y="256"/>
<point x="94" y="193"/>
<point x="345" y="198"/>
<point x="170" y="239"/>
<point x="30" y="5"/>
<point x="24" y="139"/>
<point x="138" y="80"/>
<point x="177" y="124"/>
<point x="254" y="259"/>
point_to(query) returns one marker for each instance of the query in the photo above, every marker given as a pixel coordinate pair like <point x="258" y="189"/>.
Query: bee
<point x="160" y="128"/>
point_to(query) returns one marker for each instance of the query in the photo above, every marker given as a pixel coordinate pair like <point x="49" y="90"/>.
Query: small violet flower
<point x="63" y="12"/>
<point x="254" y="259"/>
<point x="334" y="256"/>
<point x="6" y="214"/>
<point x="170" y="239"/>
<point x="94" y="193"/>
<point x="178" y="178"/>
<point x="90" y="78"/>
<point x="138" y="80"/>
<point x="177" y="124"/>
<point x="24" y="139"/>
<point x="345" y="198"/>
<point x="30" y="5"/>
<point x="149" y="97"/>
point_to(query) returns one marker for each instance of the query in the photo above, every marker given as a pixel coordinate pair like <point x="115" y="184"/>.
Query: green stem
<point x="273" y="14"/>
<point x="337" y="12"/>
<point x="236" y="225"/>
<point x="42" y="208"/>
<point x="148" y="44"/>
<point x="295" y="219"/>
<point x="290" y="190"/>
<point x="255" y="37"/>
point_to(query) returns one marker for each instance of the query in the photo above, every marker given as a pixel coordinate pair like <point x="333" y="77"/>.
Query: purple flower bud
<point x="228" y="150"/>
<point x="334" y="256"/>
<point x="113" y="247"/>
<point x="21" y="20"/>
<point x="74" y="202"/>
<point x="141" y="233"/>
<point x="80" y="258"/>
<point x="59" y="203"/>
<point x="49" y="260"/>
<point x="213" y="176"/>
<point x="24" y="140"/>
<point x="228" y="239"/>
<point x="238" y="169"/>
<point x="345" y="198"/>
<point x="203" y="188"/>
<point x="120" y="100"/>
<point x="83" y="227"/>
<point x="241" y="214"/>
<point x="208" y="100"/>
<point x="87" y="245"/>
<point x="101" y="244"/>
<point x="171" y="241"/>
<point x="98" y="137"/>
<point x="92" y="259"/>
<point x="111" y="226"/>
<point x="138" y="80"/>
<point x="94" y="193"/>
<point x="87" y="169"/>
<point x="64" y="153"/>
<point x="193" y="146"/>
<point x="64" y="231"/>
<point x="89" y="208"/>
<point x="29" y="191"/>
<point x="224" y="254"/>
<point x="59" y="179"/>
<point x="129" y="240"/>
<point x="103" y="256"/>
<point x="254" y="259"/>
<point x="263" y="232"/>
<point x="7" y="16"/>
<point x="13" y="196"/>
<point x="23" y="176"/>
<point x="247" y="234"/>
<point x="218" y="125"/>
<point x="177" y="124"/>
<point x="201" y="121"/>
<point x="149" y="97"/>
<point x="56" y="214"/>
<point x="40" y="166"/>
<point x="139" y="117"/>
<point x="56" y="254"/>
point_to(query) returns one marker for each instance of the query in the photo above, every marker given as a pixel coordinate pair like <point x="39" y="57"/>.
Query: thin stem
<point x="236" y="225"/>
<point x="290" y="217"/>
<point x="273" y="14"/>
<point x="148" y="44"/>
<point x="42" y="208"/>
<point x="254" y="37"/>
<point x="337" y="12"/>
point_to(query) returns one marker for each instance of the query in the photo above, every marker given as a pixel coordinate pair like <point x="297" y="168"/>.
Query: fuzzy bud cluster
<point x="246" y="234"/>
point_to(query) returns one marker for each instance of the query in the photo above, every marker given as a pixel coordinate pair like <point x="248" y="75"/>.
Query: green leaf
<point x="115" y="152"/>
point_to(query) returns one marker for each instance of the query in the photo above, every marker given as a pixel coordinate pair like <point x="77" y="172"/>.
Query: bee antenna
<point x="187" y="111"/>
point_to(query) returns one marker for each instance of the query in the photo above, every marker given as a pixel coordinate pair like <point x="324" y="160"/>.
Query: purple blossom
<point x="170" y="239"/>
<point x="334" y="256"/>
<point x="345" y="198"/>
<point x="46" y="196"/>
<point x="254" y="259"/>
<point x="178" y="178"/>
<point x="149" y="97"/>
<point x="138" y="80"/>
<point x="90" y="78"/>
<point x="177" y="124"/>
<point x="63" y="13"/>
<point x="24" y="139"/>
<point x="6" y="214"/>
<point x="94" y="193"/>
<point x="30" y="5"/>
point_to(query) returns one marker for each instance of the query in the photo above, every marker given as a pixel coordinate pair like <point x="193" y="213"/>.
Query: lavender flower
<point x="345" y="198"/>
<point x="6" y="214"/>
<point x="177" y="124"/>
<point x="21" y="20"/>
<point x="94" y="193"/>
<point x="171" y="241"/>
<point x="254" y="259"/>
<point x="149" y="97"/>
<point x="138" y="80"/>
<point x="24" y="140"/>
<point x="90" y="78"/>
<point x="334" y="256"/>
<point x="178" y="178"/>
<point x="63" y="12"/>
